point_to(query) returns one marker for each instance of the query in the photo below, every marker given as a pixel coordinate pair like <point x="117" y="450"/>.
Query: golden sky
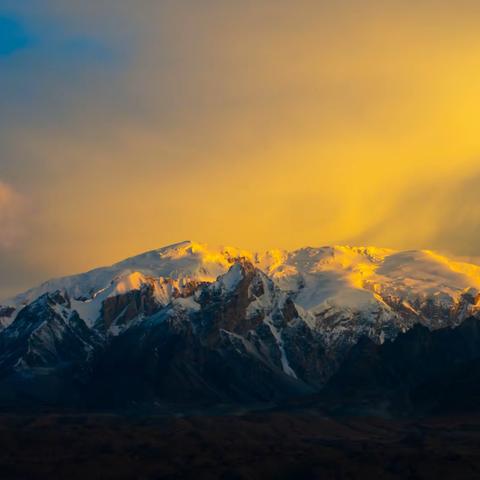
<point x="128" y="125"/>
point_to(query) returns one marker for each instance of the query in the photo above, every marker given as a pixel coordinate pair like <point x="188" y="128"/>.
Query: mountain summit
<point x="188" y="323"/>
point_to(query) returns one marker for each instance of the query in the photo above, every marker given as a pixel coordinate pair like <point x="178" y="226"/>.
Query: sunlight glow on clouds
<point x="261" y="124"/>
<point x="12" y="207"/>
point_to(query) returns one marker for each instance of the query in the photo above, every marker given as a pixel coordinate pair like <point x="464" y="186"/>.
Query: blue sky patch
<point x="88" y="49"/>
<point x="13" y="35"/>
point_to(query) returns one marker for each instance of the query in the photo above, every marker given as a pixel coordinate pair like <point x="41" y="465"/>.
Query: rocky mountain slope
<point x="195" y="325"/>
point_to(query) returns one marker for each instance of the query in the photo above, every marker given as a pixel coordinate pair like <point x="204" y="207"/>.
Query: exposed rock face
<point x="47" y="334"/>
<point x="120" y="310"/>
<point x="6" y="314"/>
<point x="222" y="351"/>
<point x="224" y="309"/>
<point x="45" y="352"/>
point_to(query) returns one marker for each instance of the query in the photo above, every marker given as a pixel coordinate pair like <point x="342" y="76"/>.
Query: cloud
<point x="12" y="210"/>
<point x="136" y="123"/>
<point x="432" y="215"/>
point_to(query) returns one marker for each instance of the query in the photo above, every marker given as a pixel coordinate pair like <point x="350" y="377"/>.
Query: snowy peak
<point x="319" y="280"/>
<point x="352" y="277"/>
<point x="183" y="262"/>
<point x="180" y="261"/>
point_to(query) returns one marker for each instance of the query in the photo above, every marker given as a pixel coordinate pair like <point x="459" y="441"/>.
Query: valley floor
<point x="249" y="446"/>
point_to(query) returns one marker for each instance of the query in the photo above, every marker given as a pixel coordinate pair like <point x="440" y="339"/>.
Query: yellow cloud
<point x="11" y="211"/>
<point x="257" y="124"/>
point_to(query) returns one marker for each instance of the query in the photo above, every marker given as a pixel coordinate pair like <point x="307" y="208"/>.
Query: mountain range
<point x="347" y="329"/>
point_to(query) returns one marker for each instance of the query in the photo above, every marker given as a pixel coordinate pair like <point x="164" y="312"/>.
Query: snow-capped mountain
<point x="189" y="322"/>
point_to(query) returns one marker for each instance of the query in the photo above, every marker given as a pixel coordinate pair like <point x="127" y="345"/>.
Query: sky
<point x="127" y="125"/>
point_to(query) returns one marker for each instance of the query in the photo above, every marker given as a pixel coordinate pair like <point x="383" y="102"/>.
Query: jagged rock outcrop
<point x="45" y="354"/>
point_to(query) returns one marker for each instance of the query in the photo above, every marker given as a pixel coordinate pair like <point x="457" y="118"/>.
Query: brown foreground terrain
<point x="250" y="446"/>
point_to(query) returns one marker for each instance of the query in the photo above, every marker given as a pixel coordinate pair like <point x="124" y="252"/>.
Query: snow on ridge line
<point x="344" y="276"/>
<point x="185" y="260"/>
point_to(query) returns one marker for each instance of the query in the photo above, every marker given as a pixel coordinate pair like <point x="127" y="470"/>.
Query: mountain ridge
<point x="183" y="259"/>
<point x="222" y="325"/>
